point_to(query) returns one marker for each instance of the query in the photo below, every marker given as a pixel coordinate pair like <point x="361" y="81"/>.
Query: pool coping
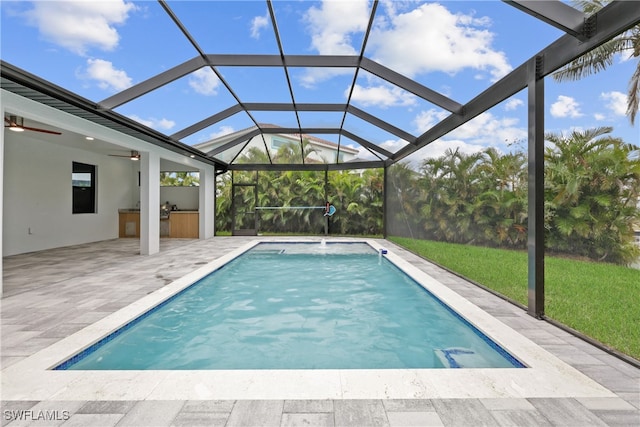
<point x="546" y="375"/>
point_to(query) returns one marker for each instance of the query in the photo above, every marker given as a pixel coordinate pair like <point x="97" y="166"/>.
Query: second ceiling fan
<point x="133" y="156"/>
<point x="16" y="124"/>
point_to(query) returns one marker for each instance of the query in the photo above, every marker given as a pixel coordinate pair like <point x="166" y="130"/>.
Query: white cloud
<point x="80" y="25"/>
<point x="391" y="145"/>
<point x="332" y="24"/>
<point x="107" y="76"/>
<point x="485" y="130"/>
<point x="312" y="76"/>
<point x="565" y="106"/>
<point x="616" y="102"/>
<point x="160" y="124"/>
<point x="164" y="124"/>
<point x="204" y="81"/>
<point x="381" y="96"/>
<point x="257" y="24"/>
<point x="223" y="130"/>
<point x="426" y="119"/>
<point x="431" y="38"/>
<point x="488" y="130"/>
<point x="438" y="147"/>
<point x="147" y="123"/>
<point x="599" y="117"/>
<point x="427" y="38"/>
<point x="512" y="104"/>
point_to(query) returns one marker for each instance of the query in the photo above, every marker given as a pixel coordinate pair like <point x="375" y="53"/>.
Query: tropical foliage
<point x="592" y="193"/>
<point x="179" y="179"/>
<point x="293" y="201"/>
<point x="592" y="190"/>
<point x="463" y="198"/>
<point x="626" y="44"/>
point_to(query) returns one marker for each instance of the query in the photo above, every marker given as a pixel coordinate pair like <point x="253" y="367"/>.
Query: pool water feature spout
<point x="381" y="252"/>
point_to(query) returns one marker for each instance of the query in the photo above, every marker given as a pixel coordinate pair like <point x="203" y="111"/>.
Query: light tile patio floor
<point x="52" y="294"/>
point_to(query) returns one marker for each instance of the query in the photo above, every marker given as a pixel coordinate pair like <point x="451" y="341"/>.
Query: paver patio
<point x="50" y="295"/>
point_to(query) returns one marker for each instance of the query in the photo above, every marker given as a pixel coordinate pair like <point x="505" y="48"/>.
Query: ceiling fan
<point x="135" y="156"/>
<point x="16" y="124"/>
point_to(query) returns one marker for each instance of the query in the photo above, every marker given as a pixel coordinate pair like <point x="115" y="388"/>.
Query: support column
<point x="207" y="202"/>
<point x="1" y="205"/>
<point x="326" y="199"/>
<point x="149" y="203"/>
<point x="385" y="191"/>
<point x="535" y="243"/>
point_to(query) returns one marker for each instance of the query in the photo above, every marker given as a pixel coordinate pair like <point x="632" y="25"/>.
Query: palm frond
<point x="589" y="6"/>
<point x="633" y="99"/>
<point x="593" y="61"/>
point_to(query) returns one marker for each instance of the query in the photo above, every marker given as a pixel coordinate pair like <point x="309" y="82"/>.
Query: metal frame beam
<point x="310" y="61"/>
<point x="211" y="120"/>
<point x="535" y="241"/>
<point x="307" y="166"/>
<point x="322" y="131"/>
<point x="277" y="130"/>
<point x="379" y="123"/>
<point x="232" y="143"/>
<point x="385" y="200"/>
<point x="410" y="85"/>
<point x="555" y="13"/>
<point x="613" y="19"/>
<point x="366" y="144"/>
<point x="153" y="83"/>
<point x="27" y="85"/>
<point x="257" y="106"/>
<point x="283" y="106"/>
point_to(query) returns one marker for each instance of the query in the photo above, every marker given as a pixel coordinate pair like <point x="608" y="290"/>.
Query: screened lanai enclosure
<point x="424" y="119"/>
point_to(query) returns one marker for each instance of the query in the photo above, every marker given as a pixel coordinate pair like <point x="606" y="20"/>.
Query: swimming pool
<point x="298" y="306"/>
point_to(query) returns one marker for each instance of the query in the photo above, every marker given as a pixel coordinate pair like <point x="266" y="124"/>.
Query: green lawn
<point x="600" y="300"/>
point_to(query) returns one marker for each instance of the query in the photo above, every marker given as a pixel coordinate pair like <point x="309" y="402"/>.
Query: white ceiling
<point x="79" y="141"/>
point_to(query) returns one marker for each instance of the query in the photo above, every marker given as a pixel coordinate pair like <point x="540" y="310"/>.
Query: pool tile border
<point x="215" y="267"/>
<point x="547" y="376"/>
<point x="201" y="273"/>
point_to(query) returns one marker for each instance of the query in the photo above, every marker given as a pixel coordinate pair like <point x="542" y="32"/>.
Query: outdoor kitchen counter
<point x="182" y="223"/>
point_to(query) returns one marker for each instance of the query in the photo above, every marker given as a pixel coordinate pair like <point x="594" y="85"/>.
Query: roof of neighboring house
<point x="215" y="142"/>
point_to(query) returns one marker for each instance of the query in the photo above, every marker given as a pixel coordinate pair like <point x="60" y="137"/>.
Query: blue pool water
<point x="298" y="306"/>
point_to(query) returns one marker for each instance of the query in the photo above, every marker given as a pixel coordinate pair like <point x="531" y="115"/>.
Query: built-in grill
<point x="165" y="210"/>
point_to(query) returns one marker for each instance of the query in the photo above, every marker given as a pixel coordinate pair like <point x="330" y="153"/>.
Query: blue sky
<point x="457" y="48"/>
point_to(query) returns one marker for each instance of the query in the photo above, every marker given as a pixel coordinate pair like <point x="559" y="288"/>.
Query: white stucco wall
<point x="185" y="198"/>
<point x="38" y="195"/>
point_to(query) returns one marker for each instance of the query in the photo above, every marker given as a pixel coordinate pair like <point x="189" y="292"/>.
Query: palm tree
<point x="403" y="201"/>
<point x="452" y="194"/>
<point x="372" y="195"/>
<point x="603" y="56"/>
<point x="293" y="152"/>
<point x="179" y="179"/>
<point x="592" y="185"/>
<point x="502" y="209"/>
<point x="345" y="190"/>
<point x="223" y="202"/>
<point x="254" y="155"/>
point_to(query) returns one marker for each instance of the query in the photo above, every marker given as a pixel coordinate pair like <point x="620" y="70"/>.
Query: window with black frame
<point x="83" y="181"/>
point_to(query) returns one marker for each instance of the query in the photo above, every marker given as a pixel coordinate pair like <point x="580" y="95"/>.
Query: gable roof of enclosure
<point x="582" y="33"/>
